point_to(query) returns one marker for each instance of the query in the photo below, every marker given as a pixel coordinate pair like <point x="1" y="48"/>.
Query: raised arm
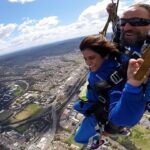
<point x="127" y="106"/>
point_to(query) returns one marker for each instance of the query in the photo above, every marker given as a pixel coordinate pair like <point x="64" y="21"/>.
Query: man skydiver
<point x="132" y="30"/>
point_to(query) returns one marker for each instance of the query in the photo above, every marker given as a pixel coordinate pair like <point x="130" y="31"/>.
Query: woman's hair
<point x="98" y="44"/>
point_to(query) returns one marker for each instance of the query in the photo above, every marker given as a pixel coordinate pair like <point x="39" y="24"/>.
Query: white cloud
<point x="20" y="1"/>
<point x="48" y="22"/>
<point x="38" y="25"/>
<point x="141" y="1"/>
<point x="48" y="29"/>
<point x="6" y="30"/>
<point x="34" y="32"/>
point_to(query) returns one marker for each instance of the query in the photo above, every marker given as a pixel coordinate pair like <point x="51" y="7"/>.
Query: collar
<point x="106" y="68"/>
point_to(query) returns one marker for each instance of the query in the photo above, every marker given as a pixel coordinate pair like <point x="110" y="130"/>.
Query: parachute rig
<point x="113" y="9"/>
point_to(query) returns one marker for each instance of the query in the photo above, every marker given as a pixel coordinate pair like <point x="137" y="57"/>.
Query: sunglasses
<point x="135" y="22"/>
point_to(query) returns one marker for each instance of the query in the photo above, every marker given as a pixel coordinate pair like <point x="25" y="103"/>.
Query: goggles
<point x="135" y="22"/>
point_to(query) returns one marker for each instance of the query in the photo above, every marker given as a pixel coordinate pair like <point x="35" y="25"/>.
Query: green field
<point x="18" y="91"/>
<point x="139" y="139"/>
<point x="29" y="111"/>
<point x="71" y="141"/>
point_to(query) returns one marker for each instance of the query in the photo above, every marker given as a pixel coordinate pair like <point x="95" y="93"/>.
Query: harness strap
<point x="100" y="111"/>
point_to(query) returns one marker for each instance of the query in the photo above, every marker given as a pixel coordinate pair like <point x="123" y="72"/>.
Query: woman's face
<point x="92" y="59"/>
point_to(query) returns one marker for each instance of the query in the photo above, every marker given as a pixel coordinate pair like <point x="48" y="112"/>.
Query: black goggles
<point x="134" y="22"/>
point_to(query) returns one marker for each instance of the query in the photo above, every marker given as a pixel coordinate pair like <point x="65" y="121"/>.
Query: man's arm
<point x="127" y="107"/>
<point x="111" y="8"/>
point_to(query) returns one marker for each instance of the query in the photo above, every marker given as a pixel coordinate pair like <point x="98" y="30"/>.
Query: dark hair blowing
<point x="99" y="44"/>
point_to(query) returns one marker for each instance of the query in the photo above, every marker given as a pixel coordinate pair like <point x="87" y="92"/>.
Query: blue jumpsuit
<point x="126" y="107"/>
<point x="147" y="86"/>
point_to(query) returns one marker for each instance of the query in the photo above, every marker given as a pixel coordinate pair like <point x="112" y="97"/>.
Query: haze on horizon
<point x="29" y="23"/>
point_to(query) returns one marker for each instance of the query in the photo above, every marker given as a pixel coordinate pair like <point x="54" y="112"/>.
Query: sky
<point x="28" y="23"/>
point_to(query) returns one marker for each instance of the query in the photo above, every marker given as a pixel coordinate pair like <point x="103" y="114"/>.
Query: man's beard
<point x="138" y="41"/>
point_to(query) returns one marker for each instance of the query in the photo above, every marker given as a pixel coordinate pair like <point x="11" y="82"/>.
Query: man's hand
<point x="133" y="67"/>
<point x="111" y="8"/>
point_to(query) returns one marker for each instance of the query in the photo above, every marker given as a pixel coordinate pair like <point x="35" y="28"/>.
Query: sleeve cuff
<point x="132" y="89"/>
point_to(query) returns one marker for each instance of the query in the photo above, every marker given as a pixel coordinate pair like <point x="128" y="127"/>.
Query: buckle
<point x="102" y="99"/>
<point x="135" y="55"/>
<point x="116" y="78"/>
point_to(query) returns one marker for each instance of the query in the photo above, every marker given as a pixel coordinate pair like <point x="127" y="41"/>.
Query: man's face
<point x="131" y="34"/>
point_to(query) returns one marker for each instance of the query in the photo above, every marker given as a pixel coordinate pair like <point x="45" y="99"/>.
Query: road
<point x="47" y="138"/>
<point x="51" y="133"/>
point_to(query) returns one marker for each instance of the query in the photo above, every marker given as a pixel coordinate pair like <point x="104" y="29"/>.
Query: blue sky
<point x="27" y="23"/>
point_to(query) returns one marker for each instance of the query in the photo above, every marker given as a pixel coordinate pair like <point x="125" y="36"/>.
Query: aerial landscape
<point x="37" y="92"/>
<point x="44" y="72"/>
<point x="33" y="87"/>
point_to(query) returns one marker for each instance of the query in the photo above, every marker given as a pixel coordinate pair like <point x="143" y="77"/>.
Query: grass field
<point x="29" y="111"/>
<point x="18" y="91"/>
<point x="139" y="139"/>
<point x="71" y="141"/>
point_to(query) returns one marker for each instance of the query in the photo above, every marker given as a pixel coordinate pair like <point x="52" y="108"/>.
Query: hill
<point x="34" y="53"/>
